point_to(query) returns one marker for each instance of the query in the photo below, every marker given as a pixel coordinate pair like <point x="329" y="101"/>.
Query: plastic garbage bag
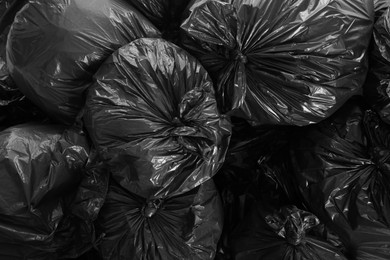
<point x="342" y="169"/>
<point x="281" y="62"/>
<point x="152" y="115"/>
<point x="40" y="166"/>
<point x="55" y="47"/>
<point x="185" y="226"/>
<point x="281" y="235"/>
<point x="166" y="15"/>
<point x="15" y="108"/>
<point x="377" y="86"/>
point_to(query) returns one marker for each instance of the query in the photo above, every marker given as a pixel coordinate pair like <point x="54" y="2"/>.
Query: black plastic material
<point x="166" y="15"/>
<point x="281" y="62"/>
<point x="377" y="86"/>
<point x="281" y="235"/>
<point x="342" y="167"/>
<point x="40" y="166"/>
<point x="55" y="47"/>
<point x="186" y="226"/>
<point x="152" y="115"/>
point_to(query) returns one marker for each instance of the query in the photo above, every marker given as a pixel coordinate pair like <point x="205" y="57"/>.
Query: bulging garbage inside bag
<point x="15" y="108"/>
<point x="166" y="15"/>
<point x="280" y="235"/>
<point x="54" y="48"/>
<point x="185" y="226"/>
<point x="281" y="62"/>
<point x="342" y="169"/>
<point x="39" y="166"/>
<point x="377" y="86"/>
<point x="152" y="115"/>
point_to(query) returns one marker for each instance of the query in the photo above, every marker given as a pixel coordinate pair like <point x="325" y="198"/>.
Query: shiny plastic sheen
<point x="39" y="166"/>
<point x="281" y="62"/>
<point x="342" y="168"/>
<point x="186" y="226"/>
<point x="281" y="235"/>
<point x="55" y="46"/>
<point x="152" y="115"/>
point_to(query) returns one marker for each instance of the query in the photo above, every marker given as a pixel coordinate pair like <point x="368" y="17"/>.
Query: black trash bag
<point x="55" y="47"/>
<point x="281" y="62"/>
<point x="185" y="226"/>
<point x="281" y="235"/>
<point x="40" y="165"/>
<point x="240" y="172"/>
<point x="14" y="107"/>
<point x="342" y="169"/>
<point x="152" y="115"/>
<point x="166" y="15"/>
<point x="377" y="86"/>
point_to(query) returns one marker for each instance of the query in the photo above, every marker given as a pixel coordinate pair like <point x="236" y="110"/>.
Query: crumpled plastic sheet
<point x="281" y="235"/>
<point x="342" y="169"/>
<point x="166" y="15"/>
<point x="377" y="86"/>
<point x="55" y="47"/>
<point x="40" y="165"/>
<point x="185" y="226"/>
<point x="281" y="62"/>
<point x="152" y="115"/>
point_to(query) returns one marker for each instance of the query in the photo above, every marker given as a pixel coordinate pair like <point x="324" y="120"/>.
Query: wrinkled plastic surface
<point x="377" y="86"/>
<point x="166" y="15"/>
<point x="152" y="115"/>
<point x="281" y="235"/>
<point x="39" y="166"/>
<point x="55" y="47"/>
<point x="381" y="6"/>
<point x="14" y="107"/>
<point x="186" y="226"/>
<point x="281" y="62"/>
<point x="342" y="169"/>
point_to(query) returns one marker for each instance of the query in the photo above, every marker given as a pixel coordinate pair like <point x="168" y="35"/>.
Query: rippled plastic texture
<point x="377" y="86"/>
<point x="281" y="236"/>
<point x="282" y="62"/>
<point x="14" y="107"/>
<point x="39" y="166"/>
<point x="381" y="6"/>
<point x="186" y="226"/>
<point x="342" y="169"/>
<point x="166" y="15"/>
<point x="152" y="115"/>
<point x="55" y="46"/>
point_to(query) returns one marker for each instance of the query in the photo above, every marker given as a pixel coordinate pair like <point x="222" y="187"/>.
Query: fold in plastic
<point x="186" y="226"/>
<point x="342" y="168"/>
<point x="281" y="235"/>
<point x="166" y="15"/>
<point x="377" y="86"/>
<point x="281" y="62"/>
<point x="40" y="165"/>
<point x="152" y="115"/>
<point x="54" y="48"/>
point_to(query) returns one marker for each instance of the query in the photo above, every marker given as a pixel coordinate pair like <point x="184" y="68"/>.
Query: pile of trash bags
<point x="195" y="129"/>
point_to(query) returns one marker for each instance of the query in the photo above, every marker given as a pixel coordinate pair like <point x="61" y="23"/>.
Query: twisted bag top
<point x="55" y="46"/>
<point x="342" y="168"/>
<point x="281" y="62"/>
<point x="152" y="114"/>
<point x="187" y="226"/>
